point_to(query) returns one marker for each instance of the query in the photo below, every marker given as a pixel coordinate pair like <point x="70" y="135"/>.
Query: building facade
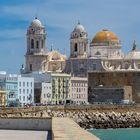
<point x="103" y="53"/>
<point x="17" y="89"/>
<point x="2" y="98"/>
<point x="115" y="80"/>
<point x="26" y="90"/>
<point x="37" y="57"/>
<point x="61" y="88"/>
<point x="79" y="90"/>
<point x="46" y="93"/>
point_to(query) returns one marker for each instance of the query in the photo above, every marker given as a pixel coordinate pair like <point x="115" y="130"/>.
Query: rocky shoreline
<point x="89" y="119"/>
<point x="103" y="120"/>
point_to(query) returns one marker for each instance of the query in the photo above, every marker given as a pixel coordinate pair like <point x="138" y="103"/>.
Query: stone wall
<point x="26" y="124"/>
<point x="116" y="79"/>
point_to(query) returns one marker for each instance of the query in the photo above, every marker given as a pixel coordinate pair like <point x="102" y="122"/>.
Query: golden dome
<point x="104" y="36"/>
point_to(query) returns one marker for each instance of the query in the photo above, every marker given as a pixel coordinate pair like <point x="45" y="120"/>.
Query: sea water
<point x="117" y="134"/>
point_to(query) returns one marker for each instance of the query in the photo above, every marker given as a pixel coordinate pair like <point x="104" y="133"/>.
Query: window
<point x="27" y="84"/>
<point x="20" y="84"/>
<point x="85" y="48"/>
<point x="23" y="91"/>
<point x="98" y="53"/>
<point x="23" y="98"/>
<point x="19" y="91"/>
<point x="30" y="67"/>
<point x="126" y="66"/>
<point x="37" y="44"/>
<point x="42" y="43"/>
<point x="94" y="66"/>
<point x="24" y="84"/>
<point x="32" y="43"/>
<point x="27" y="91"/>
<point x="75" y="47"/>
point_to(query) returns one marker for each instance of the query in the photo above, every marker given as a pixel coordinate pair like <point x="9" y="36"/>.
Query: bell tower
<point x="36" y="52"/>
<point x="36" y="37"/>
<point x="79" y="42"/>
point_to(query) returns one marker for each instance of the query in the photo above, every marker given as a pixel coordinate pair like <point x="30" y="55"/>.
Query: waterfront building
<point x="79" y="90"/>
<point x="61" y="88"/>
<point x="114" y="86"/>
<point x="8" y="83"/>
<point x="18" y="89"/>
<point x="25" y="90"/>
<point x="2" y="98"/>
<point x="51" y="88"/>
<point x="46" y="93"/>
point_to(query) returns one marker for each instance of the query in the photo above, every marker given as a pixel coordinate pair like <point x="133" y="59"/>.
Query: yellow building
<point x="2" y="98"/>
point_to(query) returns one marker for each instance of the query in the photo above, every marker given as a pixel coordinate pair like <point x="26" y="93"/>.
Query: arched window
<point x="75" y="47"/>
<point x="32" y="43"/>
<point x="37" y="44"/>
<point x="126" y="65"/>
<point x="85" y="48"/>
<point x="30" y="67"/>
<point x="42" y="43"/>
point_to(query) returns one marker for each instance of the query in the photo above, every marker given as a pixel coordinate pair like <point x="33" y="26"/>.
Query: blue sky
<point x="60" y="17"/>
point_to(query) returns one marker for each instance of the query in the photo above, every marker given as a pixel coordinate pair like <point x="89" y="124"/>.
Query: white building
<point x="46" y="94"/>
<point x="25" y="90"/>
<point x="79" y="89"/>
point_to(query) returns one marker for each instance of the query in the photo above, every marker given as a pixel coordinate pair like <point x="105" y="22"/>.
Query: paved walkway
<point x="23" y="135"/>
<point x="67" y="129"/>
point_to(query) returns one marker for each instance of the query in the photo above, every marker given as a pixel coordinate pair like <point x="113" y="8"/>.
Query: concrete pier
<point x="23" y="135"/>
<point x="67" y="129"/>
<point x="42" y="129"/>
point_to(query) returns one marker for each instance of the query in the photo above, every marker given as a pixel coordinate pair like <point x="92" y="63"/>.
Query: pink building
<point x="79" y="90"/>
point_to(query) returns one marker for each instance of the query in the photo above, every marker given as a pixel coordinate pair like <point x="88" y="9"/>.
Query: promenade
<point x="66" y="129"/>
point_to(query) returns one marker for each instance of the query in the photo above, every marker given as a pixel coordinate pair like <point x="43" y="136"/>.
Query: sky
<point x="59" y="18"/>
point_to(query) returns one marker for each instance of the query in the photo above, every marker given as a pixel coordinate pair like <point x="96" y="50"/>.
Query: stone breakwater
<point x="102" y="120"/>
<point x="88" y="119"/>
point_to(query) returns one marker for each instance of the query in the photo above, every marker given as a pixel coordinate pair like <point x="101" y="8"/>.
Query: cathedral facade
<point x="103" y="53"/>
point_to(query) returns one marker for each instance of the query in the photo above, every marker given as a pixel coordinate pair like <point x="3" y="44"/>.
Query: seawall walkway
<point x="67" y="129"/>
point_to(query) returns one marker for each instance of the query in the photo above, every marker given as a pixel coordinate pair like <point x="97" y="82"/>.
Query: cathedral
<point x="103" y="53"/>
<point x="37" y="57"/>
<point x="102" y="61"/>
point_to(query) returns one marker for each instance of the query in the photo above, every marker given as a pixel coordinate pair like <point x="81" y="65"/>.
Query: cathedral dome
<point x="36" y="23"/>
<point x="105" y="36"/>
<point x="79" y="28"/>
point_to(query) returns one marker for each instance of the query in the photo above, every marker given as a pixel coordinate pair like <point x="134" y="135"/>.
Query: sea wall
<point x="86" y="116"/>
<point x="26" y="124"/>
